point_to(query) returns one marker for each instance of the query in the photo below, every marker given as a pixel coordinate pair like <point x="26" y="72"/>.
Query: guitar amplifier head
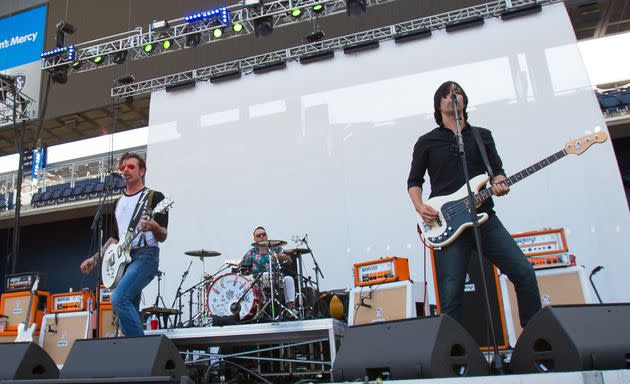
<point x="14" y="305"/>
<point x="384" y="270"/>
<point x="104" y="294"/>
<point x="19" y="282"/>
<point x="71" y="302"/>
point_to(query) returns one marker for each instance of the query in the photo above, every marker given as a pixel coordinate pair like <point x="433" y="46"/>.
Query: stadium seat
<point x="3" y="203"/>
<point x="66" y="193"/>
<point x="36" y="199"/>
<point x="88" y="190"/>
<point x="56" y="195"/>
<point x="46" y="196"/>
<point x="77" y="192"/>
<point x="9" y="200"/>
<point x="99" y="188"/>
<point x="608" y="102"/>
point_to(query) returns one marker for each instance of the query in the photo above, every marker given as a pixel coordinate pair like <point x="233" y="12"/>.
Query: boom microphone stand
<point x="497" y="364"/>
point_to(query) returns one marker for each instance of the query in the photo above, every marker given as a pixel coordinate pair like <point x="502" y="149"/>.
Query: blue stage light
<point x="220" y="14"/>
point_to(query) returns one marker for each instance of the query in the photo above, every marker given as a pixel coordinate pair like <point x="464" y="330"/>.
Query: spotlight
<point x="318" y="8"/>
<point x="237" y="27"/>
<point x="60" y="75"/>
<point x="296" y="12"/>
<point x="124" y="80"/>
<point x="147" y="48"/>
<point x="120" y="57"/>
<point x="66" y="27"/>
<point x="252" y="3"/>
<point x="356" y="7"/>
<point x="193" y="40"/>
<point x="167" y="44"/>
<point x="98" y="60"/>
<point x="158" y="25"/>
<point x="217" y="33"/>
<point x="463" y="24"/>
<point x="315" y="36"/>
<point x="263" y="26"/>
<point x="76" y="64"/>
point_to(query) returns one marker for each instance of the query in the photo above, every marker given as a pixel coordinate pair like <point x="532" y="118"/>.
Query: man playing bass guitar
<point x="437" y="153"/>
<point x="144" y="248"/>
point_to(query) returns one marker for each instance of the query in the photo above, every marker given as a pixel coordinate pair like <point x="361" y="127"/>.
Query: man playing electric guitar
<point x="144" y="248"/>
<point x="437" y="153"/>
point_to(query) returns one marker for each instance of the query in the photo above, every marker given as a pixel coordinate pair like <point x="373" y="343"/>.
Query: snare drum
<point x="227" y="289"/>
<point x="265" y="280"/>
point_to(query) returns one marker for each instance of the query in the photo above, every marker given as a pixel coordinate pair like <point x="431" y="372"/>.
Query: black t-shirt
<point x="436" y="153"/>
<point x="160" y="218"/>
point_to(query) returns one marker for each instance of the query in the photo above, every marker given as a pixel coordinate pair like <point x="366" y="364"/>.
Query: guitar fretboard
<point x="484" y="194"/>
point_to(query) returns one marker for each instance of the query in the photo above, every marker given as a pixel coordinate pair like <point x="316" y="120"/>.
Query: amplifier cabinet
<point x="558" y="286"/>
<point x="386" y="302"/>
<point x="14" y="305"/>
<point x="107" y="322"/>
<point x="59" y="332"/>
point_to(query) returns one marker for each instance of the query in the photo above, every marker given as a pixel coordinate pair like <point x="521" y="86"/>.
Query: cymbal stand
<point x="317" y="269"/>
<point x="273" y="299"/>
<point x="178" y="296"/>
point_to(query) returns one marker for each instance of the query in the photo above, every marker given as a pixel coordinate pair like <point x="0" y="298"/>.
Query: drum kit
<point x="235" y="295"/>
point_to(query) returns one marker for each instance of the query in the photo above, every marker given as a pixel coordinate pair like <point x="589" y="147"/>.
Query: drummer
<point x="257" y="260"/>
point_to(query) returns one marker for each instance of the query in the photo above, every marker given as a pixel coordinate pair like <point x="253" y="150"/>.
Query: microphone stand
<point x="497" y="364"/>
<point x="318" y="271"/>
<point x="590" y="278"/>
<point x="178" y="296"/>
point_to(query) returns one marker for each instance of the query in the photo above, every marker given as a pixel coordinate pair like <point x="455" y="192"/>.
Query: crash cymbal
<point x="269" y="243"/>
<point x="203" y="253"/>
<point x="296" y="251"/>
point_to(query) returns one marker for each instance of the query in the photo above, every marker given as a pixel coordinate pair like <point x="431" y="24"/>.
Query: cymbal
<point x="297" y="251"/>
<point x="269" y="243"/>
<point x="203" y="253"/>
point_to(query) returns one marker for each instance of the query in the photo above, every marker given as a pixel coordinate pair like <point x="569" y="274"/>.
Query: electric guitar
<point x="25" y="333"/>
<point x="117" y="256"/>
<point x="453" y="210"/>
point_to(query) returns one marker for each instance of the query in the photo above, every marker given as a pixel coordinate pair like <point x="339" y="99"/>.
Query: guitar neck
<point x="485" y="193"/>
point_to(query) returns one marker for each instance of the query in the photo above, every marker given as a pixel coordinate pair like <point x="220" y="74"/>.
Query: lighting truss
<point x="25" y="106"/>
<point x="246" y="65"/>
<point x="133" y="41"/>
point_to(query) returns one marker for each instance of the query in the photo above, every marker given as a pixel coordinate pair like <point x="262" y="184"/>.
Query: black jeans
<point x="498" y="247"/>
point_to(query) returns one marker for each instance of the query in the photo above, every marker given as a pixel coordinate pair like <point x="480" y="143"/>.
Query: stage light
<point x="120" y="57"/>
<point x="525" y="10"/>
<point x="76" y="64"/>
<point x="158" y="25"/>
<point x="318" y="8"/>
<point x="147" y="48"/>
<point x="471" y="22"/>
<point x="316" y="56"/>
<point x="219" y="14"/>
<point x="167" y="44"/>
<point x="193" y="40"/>
<point x="237" y="27"/>
<point x="98" y="60"/>
<point x="359" y="47"/>
<point x="356" y="7"/>
<point x="125" y="79"/>
<point x="217" y="33"/>
<point x="296" y="12"/>
<point x="66" y="27"/>
<point x="60" y="75"/>
<point x="263" y="26"/>
<point x="403" y="37"/>
<point x="252" y="3"/>
<point x="315" y="36"/>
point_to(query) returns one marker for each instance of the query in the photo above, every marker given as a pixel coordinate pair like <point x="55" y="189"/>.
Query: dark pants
<point x="498" y="247"/>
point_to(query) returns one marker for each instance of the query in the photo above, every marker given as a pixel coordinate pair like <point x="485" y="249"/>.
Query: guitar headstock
<point x="163" y="206"/>
<point x="580" y="145"/>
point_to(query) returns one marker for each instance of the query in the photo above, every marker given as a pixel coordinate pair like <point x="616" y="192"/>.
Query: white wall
<point x="325" y="149"/>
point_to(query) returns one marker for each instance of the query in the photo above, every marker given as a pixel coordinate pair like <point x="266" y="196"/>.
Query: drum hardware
<point x="178" y="297"/>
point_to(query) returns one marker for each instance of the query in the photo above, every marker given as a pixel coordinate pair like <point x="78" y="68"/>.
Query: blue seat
<point x="120" y="184"/>
<point x="609" y="102"/>
<point x="9" y="200"/>
<point x="99" y="188"/>
<point x="56" y="195"/>
<point x="66" y="193"/>
<point x="3" y="203"/>
<point x="88" y="190"/>
<point x="46" y="197"/>
<point x="624" y="97"/>
<point x="77" y="192"/>
<point x="36" y="199"/>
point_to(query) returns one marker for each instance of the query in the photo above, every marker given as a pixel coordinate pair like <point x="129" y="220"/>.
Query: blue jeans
<point x="126" y="297"/>
<point x="498" y="247"/>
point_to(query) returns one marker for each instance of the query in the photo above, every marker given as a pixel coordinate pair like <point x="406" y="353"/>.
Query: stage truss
<point x="24" y="105"/>
<point x="247" y="65"/>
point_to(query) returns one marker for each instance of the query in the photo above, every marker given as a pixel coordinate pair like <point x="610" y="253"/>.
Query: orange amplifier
<point x="545" y="242"/>
<point x="104" y="295"/>
<point x="384" y="270"/>
<point x="71" y="302"/>
<point x="15" y="305"/>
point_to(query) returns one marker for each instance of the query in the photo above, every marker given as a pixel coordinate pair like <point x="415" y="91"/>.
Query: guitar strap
<point x="137" y="213"/>
<point x="482" y="149"/>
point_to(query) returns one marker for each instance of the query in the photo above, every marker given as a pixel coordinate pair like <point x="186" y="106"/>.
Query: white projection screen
<point x="324" y="149"/>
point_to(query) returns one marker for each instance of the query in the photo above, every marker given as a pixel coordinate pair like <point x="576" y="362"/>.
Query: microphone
<point x="597" y="269"/>
<point x="453" y="98"/>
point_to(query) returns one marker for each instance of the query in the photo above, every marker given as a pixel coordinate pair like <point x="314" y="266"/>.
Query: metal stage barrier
<point x="292" y="348"/>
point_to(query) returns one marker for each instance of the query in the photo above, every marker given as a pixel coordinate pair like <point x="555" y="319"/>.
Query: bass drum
<point x="227" y="289"/>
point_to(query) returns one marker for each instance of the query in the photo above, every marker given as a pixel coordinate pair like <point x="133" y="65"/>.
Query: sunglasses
<point x="130" y="167"/>
<point x="259" y="235"/>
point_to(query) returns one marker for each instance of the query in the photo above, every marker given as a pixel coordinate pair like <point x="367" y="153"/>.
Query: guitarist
<point x="436" y="153"/>
<point x="144" y="248"/>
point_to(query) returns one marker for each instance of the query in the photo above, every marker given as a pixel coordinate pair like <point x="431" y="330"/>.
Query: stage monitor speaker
<point x="425" y="347"/>
<point x="475" y="316"/>
<point x="26" y="361"/>
<point x="574" y="338"/>
<point x="123" y="357"/>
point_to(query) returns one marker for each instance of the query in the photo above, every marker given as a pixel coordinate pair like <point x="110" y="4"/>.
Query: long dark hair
<point x="443" y="91"/>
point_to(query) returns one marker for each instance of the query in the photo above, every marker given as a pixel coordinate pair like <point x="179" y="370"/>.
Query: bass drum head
<point x="226" y="290"/>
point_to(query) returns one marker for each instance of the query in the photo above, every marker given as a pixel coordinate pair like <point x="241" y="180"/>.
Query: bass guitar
<point x="117" y="256"/>
<point x="454" y="214"/>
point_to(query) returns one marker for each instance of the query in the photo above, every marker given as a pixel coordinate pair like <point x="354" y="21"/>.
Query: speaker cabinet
<point x="123" y="357"/>
<point x="26" y="361"/>
<point x="558" y="286"/>
<point x="386" y="302"/>
<point x="107" y="322"/>
<point x="426" y="347"/>
<point x="574" y="338"/>
<point x="15" y="306"/>
<point x="61" y="330"/>
<point x="475" y="316"/>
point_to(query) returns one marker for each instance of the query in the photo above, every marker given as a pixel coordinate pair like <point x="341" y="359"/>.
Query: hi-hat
<point x="296" y="251"/>
<point x="203" y="253"/>
<point x="269" y="243"/>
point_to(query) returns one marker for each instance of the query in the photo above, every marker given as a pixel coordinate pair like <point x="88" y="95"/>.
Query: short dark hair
<point x="443" y="91"/>
<point x="257" y="228"/>
<point x="131" y="155"/>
